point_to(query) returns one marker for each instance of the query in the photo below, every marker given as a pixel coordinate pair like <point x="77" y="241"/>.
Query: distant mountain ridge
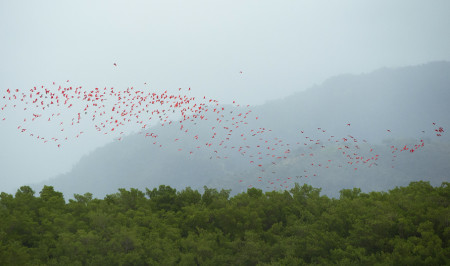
<point x="405" y="101"/>
<point x="387" y="98"/>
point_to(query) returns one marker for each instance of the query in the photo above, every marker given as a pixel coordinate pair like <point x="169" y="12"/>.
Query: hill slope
<point x="387" y="108"/>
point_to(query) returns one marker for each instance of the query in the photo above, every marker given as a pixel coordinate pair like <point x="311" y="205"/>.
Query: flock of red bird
<point x="112" y="111"/>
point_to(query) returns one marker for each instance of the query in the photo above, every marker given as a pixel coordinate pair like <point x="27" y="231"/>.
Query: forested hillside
<point x="405" y="226"/>
<point x="316" y="136"/>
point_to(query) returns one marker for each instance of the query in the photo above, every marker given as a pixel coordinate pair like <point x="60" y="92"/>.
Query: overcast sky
<point x="280" y="46"/>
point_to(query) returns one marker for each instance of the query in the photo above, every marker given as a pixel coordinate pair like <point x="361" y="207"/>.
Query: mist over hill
<point x="404" y="100"/>
<point x="383" y="109"/>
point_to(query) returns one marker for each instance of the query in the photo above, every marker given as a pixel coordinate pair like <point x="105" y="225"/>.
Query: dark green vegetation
<point x="405" y="226"/>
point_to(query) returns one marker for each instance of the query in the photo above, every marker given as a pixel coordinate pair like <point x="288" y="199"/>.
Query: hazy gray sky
<point x="280" y="46"/>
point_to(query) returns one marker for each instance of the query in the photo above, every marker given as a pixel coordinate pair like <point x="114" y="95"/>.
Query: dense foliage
<point x="405" y="226"/>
